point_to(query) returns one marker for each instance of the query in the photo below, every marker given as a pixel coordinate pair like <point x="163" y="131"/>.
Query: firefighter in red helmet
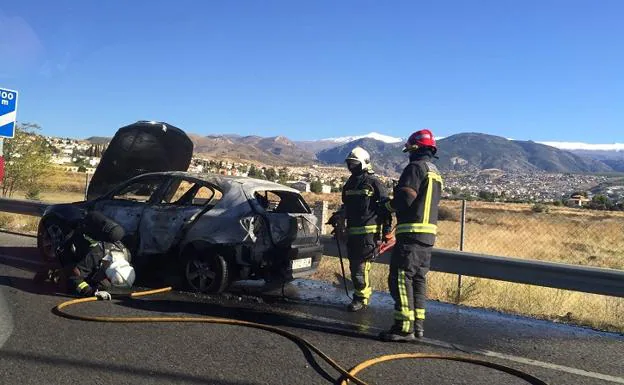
<point x="415" y="202"/>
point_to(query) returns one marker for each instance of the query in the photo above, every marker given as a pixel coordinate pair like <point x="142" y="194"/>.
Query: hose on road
<point x="346" y="375"/>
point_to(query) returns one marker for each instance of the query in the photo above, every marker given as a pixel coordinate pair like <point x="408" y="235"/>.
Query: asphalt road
<point x="38" y="347"/>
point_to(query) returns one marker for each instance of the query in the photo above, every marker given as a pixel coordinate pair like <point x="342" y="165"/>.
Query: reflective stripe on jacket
<point x="419" y="221"/>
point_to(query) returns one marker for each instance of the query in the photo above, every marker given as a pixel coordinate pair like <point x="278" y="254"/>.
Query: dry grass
<point x="19" y="223"/>
<point x="65" y="182"/>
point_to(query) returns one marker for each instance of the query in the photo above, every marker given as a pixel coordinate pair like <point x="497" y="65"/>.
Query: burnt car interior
<point x="281" y="202"/>
<point x="140" y="191"/>
<point x="190" y="193"/>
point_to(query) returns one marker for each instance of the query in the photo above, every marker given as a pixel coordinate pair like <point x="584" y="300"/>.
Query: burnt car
<point x="209" y="229"/>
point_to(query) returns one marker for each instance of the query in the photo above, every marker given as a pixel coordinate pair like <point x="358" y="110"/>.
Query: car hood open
<point x="139" y="148"/>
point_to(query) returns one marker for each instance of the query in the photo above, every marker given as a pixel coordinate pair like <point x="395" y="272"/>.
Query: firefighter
<point x="101" y="266"/>
<point x="361" y="195"/>
<point x="415" y="202"/>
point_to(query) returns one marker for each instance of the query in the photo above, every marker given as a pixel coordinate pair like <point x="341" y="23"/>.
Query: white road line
<point x="526" y="361"/>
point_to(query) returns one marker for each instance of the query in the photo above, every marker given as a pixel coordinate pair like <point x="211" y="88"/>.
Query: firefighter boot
<point x="356" y="305"/>
<point x="419" y="328"/>
<point x="399" y="333"/>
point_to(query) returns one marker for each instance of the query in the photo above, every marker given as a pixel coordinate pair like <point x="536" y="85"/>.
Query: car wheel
<point x="207" y="274"/>
<point x="50" y="233"/>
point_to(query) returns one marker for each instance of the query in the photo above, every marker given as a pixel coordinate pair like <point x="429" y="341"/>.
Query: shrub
<point x="540" y="208"/>
<point x="316" y="187"/>
<point x="447" y="214"/>
<point x="468" y="291"/>
<point x="33" y="193"/>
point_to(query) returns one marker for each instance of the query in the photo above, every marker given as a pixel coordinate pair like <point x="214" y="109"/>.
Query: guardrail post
<point x="461" y="246"/>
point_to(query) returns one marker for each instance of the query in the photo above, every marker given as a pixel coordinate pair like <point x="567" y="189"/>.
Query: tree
<point x="600" y="202"/>
<point x="486" y="195"/>
<point x="283" y="175"/>
<point x="254" y="172"/>
<point x="316" y="187"/>
<point x="27" y="158"/>
<point x="271" y="174"/>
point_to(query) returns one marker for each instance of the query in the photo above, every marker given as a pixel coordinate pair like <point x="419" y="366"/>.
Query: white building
<point x="326" y="189"/>
<point x="301" y="186"/>
<point x="61" y="159"/>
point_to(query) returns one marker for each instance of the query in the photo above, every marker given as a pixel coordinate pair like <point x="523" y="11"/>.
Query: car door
<point x="126" y="204"/>
<point x="163" y="221"/>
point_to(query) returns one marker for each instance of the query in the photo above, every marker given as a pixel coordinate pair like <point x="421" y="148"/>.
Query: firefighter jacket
<point x="417" y="219"/>
<point x="361" y="196"/>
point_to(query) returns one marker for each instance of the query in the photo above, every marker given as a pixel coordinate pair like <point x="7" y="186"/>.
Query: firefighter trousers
<point x="409" y="266"/>
<point x="361" y="251"/>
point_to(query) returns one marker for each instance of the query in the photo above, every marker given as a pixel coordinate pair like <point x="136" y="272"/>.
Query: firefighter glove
<point x="103" y="295"/>
<point x="388" y="235"/>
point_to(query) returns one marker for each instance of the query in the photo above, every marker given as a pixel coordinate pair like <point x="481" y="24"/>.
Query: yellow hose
<point x="346" y="375"/>
<point x="401" y="356"/>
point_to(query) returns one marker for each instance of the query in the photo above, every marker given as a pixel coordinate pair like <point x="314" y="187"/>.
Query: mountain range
<point x="460" y="152"/>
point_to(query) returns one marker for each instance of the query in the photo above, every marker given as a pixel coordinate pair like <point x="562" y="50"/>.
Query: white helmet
<point x="359" y="154"/>
<point x="121" y="274"/>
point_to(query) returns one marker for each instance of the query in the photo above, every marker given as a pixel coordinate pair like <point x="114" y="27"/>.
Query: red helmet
<point x="421" y="138"/>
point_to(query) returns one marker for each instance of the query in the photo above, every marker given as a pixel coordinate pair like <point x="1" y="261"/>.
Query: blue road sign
<point x="8" y="112"/>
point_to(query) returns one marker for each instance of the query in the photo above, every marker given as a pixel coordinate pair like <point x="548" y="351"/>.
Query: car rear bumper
<point x="303" y="261"/>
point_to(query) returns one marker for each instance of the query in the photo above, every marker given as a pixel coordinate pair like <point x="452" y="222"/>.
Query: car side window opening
<point x="139" y="191"/>
<point x="281" y="202"/>
<point x="188" y="193"/>
<point x="176" y="192"/>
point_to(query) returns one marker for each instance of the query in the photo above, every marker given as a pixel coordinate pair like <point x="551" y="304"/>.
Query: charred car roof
<point x="248" y="184"/>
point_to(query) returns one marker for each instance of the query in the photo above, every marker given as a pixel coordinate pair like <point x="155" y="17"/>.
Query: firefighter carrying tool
<point x="361" y="196"/>
<point x="415" y="201"/>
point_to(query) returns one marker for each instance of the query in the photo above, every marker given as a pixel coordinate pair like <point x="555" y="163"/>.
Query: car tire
<point x="44" y="240"/>
<point x="207" y="273"/>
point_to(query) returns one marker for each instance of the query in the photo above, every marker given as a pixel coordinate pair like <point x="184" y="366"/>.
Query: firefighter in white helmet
<point x="361" y="197"/>
<point x="106" y="262"/>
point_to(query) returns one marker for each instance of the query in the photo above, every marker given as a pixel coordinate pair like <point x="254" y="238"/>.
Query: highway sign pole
<point x="8" y="117"/>
<point x="1" y="160"/>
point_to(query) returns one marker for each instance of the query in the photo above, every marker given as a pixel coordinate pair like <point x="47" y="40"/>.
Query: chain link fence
<point x="542" y="232"/>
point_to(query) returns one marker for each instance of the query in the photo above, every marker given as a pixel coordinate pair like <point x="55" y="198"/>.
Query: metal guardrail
<point x="26" y="207"/>
<point x="555" y="275"/>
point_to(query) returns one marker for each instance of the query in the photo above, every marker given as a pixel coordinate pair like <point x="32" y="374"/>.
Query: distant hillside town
<point x="515" y="184"/>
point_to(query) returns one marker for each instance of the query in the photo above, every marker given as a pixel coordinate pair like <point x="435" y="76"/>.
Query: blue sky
<point x="523" y="69"/>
